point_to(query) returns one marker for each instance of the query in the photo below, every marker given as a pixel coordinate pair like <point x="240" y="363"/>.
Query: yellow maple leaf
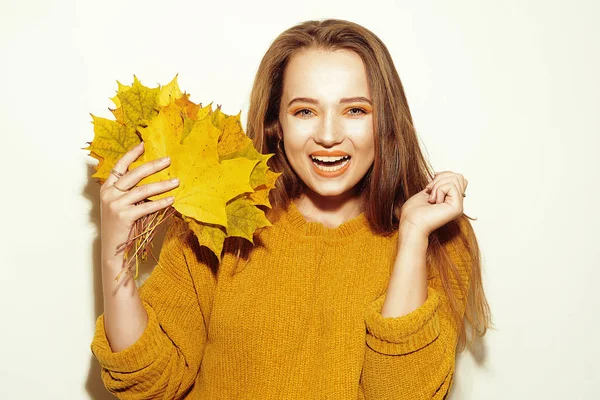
<point x="139" y="103"/>
<point x="244" y="218"/>
<point x="136" y="105"/>
<point x="188" y="122"/>
<point x="189" y="108"/>
<point x="169" y="93"/>
<point x="260" y="196"/>
<point x="234" y="143"/>
<point x="211" y="236"/>
<point x="222" y="176"/>
<point x="205" y="184"/>
<point x="111" y="140"/>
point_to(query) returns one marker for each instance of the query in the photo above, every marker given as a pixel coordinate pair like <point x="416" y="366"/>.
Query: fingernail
<point x="165" y="159"/>
<point x="174" y="180"/>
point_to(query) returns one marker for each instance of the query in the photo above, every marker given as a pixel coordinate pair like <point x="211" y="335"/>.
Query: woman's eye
<point x="359" y="109"/>
<point x="355" y="111"/>
<point x="302" y="114"/>
<point x="299" y="112"/>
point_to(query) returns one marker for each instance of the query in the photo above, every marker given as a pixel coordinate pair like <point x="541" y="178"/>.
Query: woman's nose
<point x="328" y="132"/>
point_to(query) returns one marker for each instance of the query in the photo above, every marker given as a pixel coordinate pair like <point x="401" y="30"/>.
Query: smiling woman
<point x="328" y="136"/>
<point x="361" y="287"/>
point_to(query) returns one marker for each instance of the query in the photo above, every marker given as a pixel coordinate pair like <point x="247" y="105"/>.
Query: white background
<point x="506" y="93"/>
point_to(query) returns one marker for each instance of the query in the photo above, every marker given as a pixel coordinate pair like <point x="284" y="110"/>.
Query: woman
<point x="357" y="291"/>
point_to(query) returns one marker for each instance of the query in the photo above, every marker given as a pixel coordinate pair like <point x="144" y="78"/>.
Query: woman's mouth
<point x="330" y="166"/>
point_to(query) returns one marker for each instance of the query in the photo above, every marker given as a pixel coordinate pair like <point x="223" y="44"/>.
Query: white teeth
<point x="331" y="169"/>
<point x="329" y="159"/>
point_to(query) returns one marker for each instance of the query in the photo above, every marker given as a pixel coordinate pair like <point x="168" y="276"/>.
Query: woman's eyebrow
<point x="342" y="101"/>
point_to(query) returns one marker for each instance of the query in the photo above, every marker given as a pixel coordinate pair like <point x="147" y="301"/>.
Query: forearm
<point x="125" y="318"/>
<point x="155" y="365"/>
<point x="411" y="356"/>
<point x="407" y="288"/>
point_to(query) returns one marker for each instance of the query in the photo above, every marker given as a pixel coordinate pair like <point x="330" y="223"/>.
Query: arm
<point x="165" y="359"/>
<point x="411" y="336"/>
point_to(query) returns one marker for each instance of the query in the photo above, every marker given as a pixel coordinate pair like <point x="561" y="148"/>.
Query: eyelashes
<point x="299" y="112"/>
<point x="359" y="112"/>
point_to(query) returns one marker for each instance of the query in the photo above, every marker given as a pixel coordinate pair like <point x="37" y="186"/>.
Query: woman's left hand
<point x="439" y="203"/>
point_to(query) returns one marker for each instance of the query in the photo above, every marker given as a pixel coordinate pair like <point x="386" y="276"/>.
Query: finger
<point x="433" y="188"/>
<point x="434" y="197"/>
<point x="431" y="197"/>
<point x="461" y="183"/>
<point x="431" y="183"/>
<point x="449" y="193"/>
<point x="442" y="191"/>
<point x="123" y="163"/>
<point x="149" y="207"/>
<point x="435" y="194"/>
<point x="133" y="177"/>
<point x="436" y="177"/>
<point x="142" y="192"/>
<point x="441" y="176"/>
<point x="457" y="179"/>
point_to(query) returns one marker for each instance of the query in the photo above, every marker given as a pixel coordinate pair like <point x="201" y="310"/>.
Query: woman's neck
<point x="328" y="210"/>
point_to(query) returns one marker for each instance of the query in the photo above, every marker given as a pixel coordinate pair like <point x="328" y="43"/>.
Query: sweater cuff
<point x="139" y="355"/>
<point x="405" y="334"/>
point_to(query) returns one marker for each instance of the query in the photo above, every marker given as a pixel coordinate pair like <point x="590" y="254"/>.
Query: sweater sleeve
<point x="165" y="360"/>
<point x="413" y="356"/>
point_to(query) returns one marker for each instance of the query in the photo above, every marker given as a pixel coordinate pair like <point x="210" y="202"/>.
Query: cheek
<point x="294" y="146"/>
<point x="363" y="140"/>
<point x="297" y="132"/>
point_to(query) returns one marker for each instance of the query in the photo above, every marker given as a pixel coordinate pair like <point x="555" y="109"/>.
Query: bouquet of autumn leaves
<point x="222" y="177"/>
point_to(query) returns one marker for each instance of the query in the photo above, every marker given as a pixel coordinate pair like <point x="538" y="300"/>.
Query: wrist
<point x="412" y="234"/>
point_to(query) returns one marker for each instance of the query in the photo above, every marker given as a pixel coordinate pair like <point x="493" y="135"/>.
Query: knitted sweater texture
<point x="300" y="320"/>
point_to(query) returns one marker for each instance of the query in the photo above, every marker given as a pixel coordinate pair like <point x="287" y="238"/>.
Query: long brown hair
<point x="399" y="169"/>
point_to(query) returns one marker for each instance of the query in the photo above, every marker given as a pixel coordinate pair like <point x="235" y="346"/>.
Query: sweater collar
<point x="300" y="226"/>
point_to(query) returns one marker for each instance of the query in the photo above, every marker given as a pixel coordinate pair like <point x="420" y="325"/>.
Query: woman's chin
<point x="332" y="189"/>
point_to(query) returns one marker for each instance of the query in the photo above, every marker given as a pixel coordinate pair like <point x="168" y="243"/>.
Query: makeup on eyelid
<point x="360" y="112"/>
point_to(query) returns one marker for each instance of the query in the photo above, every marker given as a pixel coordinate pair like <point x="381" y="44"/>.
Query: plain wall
<point x="506" y="93"/>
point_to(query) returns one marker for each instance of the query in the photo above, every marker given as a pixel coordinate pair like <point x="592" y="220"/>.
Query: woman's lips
<point x="332" y="153"/>
<point x="324" y="156"/>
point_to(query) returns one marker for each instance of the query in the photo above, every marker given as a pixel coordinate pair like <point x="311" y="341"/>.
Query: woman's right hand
<point x="118" y="209"/>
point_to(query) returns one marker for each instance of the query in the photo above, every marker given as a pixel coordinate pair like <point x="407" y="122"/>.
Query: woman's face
<point x="327" y="120"/>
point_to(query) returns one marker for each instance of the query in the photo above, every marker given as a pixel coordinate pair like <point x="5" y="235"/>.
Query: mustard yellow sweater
<point x="301" y="320"/>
